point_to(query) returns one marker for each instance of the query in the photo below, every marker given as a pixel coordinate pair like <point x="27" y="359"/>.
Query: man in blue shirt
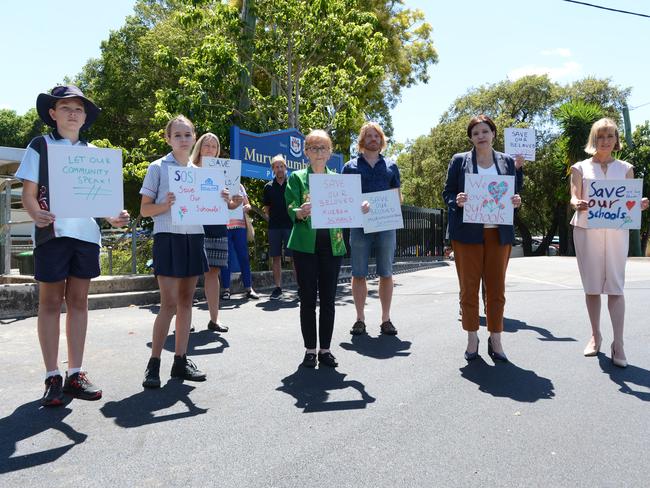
<point x="377" y="174"/>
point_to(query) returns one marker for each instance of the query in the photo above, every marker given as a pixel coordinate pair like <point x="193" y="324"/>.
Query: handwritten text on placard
<point x="198" y="196"/>
<point x="489" y="199"/>
<point x="335" y="201"/>
<point x="520" y="141"/>
<point x="385" y="211"/>
<point x="614" y="204"/>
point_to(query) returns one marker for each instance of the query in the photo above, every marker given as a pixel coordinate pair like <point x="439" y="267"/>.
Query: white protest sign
<point x="614" y="204"/>
<point x="232" y="171"/>
<point x="85" y="181"/>
<point x="198" y="196"/>
<point x="385" y="211"/>
<point x="335" y="201"/>
<point x="520" y="141"/>
<point x="489" y="199"/>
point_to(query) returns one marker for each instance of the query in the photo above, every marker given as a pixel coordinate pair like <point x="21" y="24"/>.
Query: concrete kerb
<point x="19" y="294"/>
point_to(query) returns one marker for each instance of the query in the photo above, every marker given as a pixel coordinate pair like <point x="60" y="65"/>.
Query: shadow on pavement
<point x="198" y="341"/>
<point x="138" y="410"/>
<point x="382" y="347"/>
<point x="513" y="325"/>
<point x="632" y="375"/>
<point x="311" y="386"/>
<point x="30" y="420"/>
<point x="273" y="305"/>
<point x="508" y="380"/>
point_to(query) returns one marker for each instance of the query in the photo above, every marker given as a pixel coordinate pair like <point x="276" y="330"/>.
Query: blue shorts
<point x="384" y="244"/>
<point x="61" y="257"/>
<point x="278" y="239"/>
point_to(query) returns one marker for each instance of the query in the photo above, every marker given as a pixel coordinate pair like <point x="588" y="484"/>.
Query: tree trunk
<point x="247" y="48"/>
<point x="290" y="113"/>
<point x="296" y="103"/>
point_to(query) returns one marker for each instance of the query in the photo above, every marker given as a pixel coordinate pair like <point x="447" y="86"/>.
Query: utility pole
<point x="247" y="49"/>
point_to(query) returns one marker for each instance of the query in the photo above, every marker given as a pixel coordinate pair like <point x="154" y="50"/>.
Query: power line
<point x="608" y="8"/>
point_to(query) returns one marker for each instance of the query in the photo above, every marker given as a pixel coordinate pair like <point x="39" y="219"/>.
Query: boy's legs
<point x="50" y="299"/>
<point x="76" y="324"/>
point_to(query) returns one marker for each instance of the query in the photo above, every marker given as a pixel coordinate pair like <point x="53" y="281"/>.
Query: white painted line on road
<point x="510" y="275"/>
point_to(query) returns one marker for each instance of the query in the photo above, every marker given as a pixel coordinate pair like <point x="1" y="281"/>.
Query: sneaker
<point x="328" y="359"/>
<point x="79" y="386"/>
<point x="185" y="369"/>
<point x="276" y="294"/>
<point x="53" y="395"/>
<point x="358" y="328"/>
<point x="217" y="327"/>
<point x="310" y="360"/>
<point x="152" y="374"/>
<point x="388" y="328"/>
<point x="252" y="295"/>
<point x="225" y="295"/>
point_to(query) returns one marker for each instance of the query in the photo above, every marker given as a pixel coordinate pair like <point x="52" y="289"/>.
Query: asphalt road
<point x="400" y="411"/>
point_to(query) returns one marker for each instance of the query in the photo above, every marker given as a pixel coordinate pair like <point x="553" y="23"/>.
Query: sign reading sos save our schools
<point x="614" y="204"/>
<point x="257" y="150"/>
<point x="198" y="196"/>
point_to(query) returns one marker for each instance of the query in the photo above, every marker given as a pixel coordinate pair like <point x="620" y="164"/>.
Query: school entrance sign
<point x="256" y="151"/>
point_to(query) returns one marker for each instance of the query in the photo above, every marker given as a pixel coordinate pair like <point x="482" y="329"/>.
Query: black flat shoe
<point x="471" y="356"/>
<point x="217" y="327"/>
<point x="328" y="359"/>
<point x="496" y="356"/>
<point x="310" y="360"/>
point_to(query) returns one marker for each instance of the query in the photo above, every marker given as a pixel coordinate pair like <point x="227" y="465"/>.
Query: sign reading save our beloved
<point x="614" y="204"/>
<point x="385" y="211"/>
<point x="85" y="181"/>
<point x="489" y="199"/>
<point x="335" y="201"/>
<point x="520" y="141"/>
<point x="198" y="196"/>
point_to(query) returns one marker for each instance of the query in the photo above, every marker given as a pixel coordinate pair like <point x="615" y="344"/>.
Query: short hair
<point x="481" y="119"/>
<point x="195" y="156"/>
<point x="178" y="118"/>
<point x="599" y="125"/>
<point x="364" y="130"/>
<point x="317" y="134"/>
<point x="279" y="157"/>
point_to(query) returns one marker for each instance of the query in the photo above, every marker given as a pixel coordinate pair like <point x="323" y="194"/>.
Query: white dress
<point x="601" y="253"/>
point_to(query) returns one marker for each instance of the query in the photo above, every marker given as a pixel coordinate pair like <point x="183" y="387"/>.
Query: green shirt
<point x="303" y="237"/>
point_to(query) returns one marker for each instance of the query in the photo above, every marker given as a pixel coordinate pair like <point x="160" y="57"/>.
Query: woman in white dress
<point x="601" y="253"/>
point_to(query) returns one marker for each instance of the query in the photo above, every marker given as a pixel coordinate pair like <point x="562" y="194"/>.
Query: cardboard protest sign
<point x="85" y="181"/>
<point x="489" y="199"/>
<point x="613" y="204"/>
<point x="335" y="201"/>
<point x="520" y="141"/>
<point x="385" y="211"/>
<point x="198" y="196"/>
<point x="232" y="172"/>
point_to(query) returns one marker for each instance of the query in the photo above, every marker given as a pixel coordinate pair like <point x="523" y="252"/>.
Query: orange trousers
<point x="487" y="261"/>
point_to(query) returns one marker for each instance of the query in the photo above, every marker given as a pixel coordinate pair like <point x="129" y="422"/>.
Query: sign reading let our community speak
<point x="385" y="211"/>
<point x="85" y="181"/>
<point x="489" y="199"/>
<point x="614" y="204"/>
<point x="335" y="201"/>
<point x="198" y="196"/>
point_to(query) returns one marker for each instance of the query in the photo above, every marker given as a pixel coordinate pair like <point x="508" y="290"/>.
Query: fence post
<point x="5" y="229"/>
<point x="134" y="247"/>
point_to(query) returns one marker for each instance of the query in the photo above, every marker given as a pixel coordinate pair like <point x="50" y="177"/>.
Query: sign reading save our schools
<point x="198" y="196"/>
<point x="614" y="204"/>
<point x="256" y="151"/>
<point x="385" y="211"/>
<point x="489" y="199"/>
<point x="520" y="141"/>
<point x="232" y="172"/>
<point x="335" y="201"/>
<point x="85" y="181"/>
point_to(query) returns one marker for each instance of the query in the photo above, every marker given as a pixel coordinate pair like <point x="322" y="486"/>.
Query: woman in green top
<point x="317" y="254"/>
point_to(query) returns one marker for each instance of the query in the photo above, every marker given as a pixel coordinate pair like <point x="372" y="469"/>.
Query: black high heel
<point x="496" y="356"/>
<point x="471" y="356"/>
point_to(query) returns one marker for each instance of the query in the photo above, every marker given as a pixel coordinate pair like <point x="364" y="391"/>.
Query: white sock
<point x="49" y="374"/>
<point x="72" y="371"/>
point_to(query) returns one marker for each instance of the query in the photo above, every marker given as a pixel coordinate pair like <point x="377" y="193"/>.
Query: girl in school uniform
<point x="216" y="236"/>
<point x="178" y="256"/>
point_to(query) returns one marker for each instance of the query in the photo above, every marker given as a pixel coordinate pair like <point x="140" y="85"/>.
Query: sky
<point x="478" y="43"/>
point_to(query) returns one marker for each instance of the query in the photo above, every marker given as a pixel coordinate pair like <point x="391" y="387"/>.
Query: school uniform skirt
<point x="216" y="248"/>
<point x="601" y="256"/>
<point x="179" y="255"/>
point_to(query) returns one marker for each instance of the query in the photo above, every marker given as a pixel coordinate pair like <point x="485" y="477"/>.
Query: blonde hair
<point x="279" y="157"/>
<point x="599" y="125"/>
<point x="317" y="134"/>
<point x="195" y="156"/>
<point x="178" y="118"/>
<point x="364" y="130"/>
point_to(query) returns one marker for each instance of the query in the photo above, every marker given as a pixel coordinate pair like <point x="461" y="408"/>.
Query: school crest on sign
<point x="295" y="146"/>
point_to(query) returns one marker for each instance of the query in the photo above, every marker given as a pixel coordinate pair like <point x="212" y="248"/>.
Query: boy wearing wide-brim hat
<point x="66" y="251"/>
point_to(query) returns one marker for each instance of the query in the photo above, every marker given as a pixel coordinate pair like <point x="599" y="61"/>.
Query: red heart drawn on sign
<point x="629" y="204"/>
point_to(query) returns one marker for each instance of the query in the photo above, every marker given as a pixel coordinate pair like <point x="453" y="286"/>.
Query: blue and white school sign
<point x="256" y="151"/>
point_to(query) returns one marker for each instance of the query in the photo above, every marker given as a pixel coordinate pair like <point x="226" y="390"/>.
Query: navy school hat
<point x="46" y="101"/>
